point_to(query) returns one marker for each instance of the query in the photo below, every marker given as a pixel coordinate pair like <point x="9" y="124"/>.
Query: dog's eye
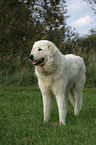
<point x="39" y="49"/>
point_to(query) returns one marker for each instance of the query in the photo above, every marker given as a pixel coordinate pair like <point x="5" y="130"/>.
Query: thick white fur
<point x="61" y="76"/>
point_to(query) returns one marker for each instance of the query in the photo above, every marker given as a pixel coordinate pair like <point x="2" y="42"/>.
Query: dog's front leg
<point x="47" y="105"/>
<point x="62" y="107"/>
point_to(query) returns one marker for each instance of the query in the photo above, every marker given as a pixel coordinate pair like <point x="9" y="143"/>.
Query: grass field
<point x="21" y="119"/>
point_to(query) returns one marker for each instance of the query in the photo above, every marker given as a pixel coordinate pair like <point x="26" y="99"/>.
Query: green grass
<point x="21" y="119"/>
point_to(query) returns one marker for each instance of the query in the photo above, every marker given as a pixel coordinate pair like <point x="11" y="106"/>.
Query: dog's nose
<point x="31" y="57"/>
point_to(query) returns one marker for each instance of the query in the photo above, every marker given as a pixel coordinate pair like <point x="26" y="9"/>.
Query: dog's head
<point x="42" y="52"/>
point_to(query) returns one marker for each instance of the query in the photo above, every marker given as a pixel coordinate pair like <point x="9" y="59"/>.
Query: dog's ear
<point x="52" y="49"/>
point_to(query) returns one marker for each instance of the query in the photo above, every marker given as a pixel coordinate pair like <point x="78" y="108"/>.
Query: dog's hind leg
<point x="71" y="96"/>
<point x="77" y="89"/>
<point x="78" y="102"/>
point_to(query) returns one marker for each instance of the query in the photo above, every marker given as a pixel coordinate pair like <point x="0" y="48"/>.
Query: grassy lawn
<point x="21" y="119"/>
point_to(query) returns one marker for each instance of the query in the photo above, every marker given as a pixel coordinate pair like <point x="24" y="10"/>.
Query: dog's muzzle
<point x="36" y="62"/>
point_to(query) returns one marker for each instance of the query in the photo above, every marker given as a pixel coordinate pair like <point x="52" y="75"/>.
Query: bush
<point x="91" y="75"/>
<point x="23" y="78"/>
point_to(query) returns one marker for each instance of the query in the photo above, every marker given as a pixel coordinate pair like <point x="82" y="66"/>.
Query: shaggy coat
<point x="58" y="75"/>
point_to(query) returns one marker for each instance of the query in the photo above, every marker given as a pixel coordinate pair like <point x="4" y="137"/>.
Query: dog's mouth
<point x="38" y="62"/>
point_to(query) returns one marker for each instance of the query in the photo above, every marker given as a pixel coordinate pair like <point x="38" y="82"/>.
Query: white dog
<point x="58" y="75"/>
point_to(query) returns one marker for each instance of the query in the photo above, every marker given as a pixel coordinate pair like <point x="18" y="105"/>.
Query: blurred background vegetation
<point x="24" y="22"/>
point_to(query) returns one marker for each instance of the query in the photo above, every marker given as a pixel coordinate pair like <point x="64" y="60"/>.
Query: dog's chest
<point x="47" y="80"/>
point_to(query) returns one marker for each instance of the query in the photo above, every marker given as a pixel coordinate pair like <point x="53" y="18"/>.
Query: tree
<point x="24" y="22"/>
<point x="52" y="15"/>
<point x="92" y="4"/>
<point x="18" y="26"/>
<point x="90" y="41"/>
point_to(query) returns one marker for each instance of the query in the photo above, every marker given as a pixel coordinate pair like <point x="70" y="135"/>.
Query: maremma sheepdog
<point x="58" y="75"/>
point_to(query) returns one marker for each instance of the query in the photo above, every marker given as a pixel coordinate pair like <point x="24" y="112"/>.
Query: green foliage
<point x="23" y="78"/>
<point x="88" y="42"/>
<point x="24" y="22"/>
<point x="14" y="27"/>
<point x="91" y="75"/>
<point x="21" y="119"/>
